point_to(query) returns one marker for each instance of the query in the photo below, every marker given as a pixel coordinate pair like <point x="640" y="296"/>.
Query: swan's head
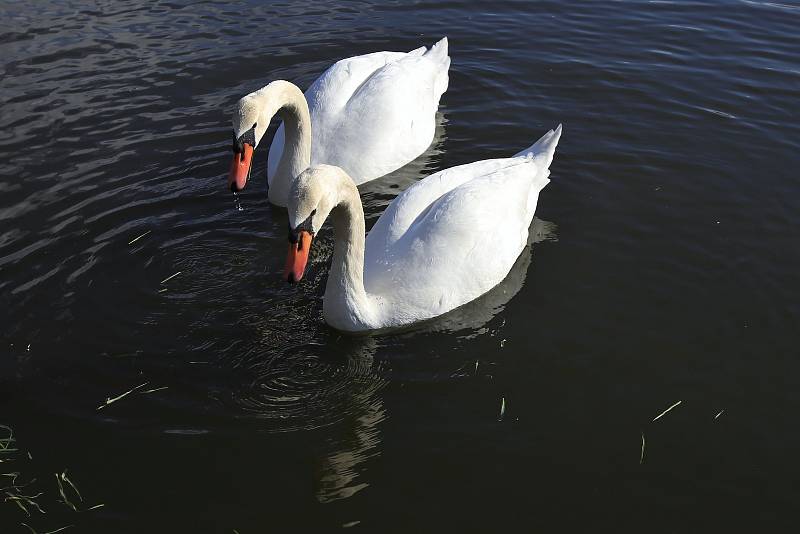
<point x="312" y="197"/>
<point x="249" y="126"/>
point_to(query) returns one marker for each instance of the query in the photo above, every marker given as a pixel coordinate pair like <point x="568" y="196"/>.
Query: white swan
<point x="443" y="242"/>
<point x="369" y="115"/>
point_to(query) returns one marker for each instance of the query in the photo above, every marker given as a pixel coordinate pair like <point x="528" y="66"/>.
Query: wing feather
<point x="461" y="246"/>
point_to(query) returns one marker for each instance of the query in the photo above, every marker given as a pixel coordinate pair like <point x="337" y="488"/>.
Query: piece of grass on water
<point x="68" y="481"/>
<point x="167" y="279"/>
<point x="14" y="493"/>
<point x="110" y="400"/>
<point x="48" y="532"/>
<point x="162" y="388"/>
<point x="64" y="498"/>
<point x="135" y="239"/>
<point x="6" y="442"/>
<point x="641" y="454"/>
<point x="662" y="414"/>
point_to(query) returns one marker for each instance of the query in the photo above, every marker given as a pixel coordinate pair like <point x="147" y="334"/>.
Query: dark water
<point x="665" y="269"/>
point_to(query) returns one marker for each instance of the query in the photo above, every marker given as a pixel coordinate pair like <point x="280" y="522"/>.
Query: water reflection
<point x="340" y="469"/>
<point x="333" y="385"/>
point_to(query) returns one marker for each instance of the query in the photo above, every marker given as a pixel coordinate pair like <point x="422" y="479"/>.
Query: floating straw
<point x="68" y="481"/>
<point x="662" y="414"/>
<point x="48" y="532"/>
<point x="167" y="279"/>
<point x="153" y="390"/>
<point x="135" y="239"/>
<point x="115" y="399"/>
<point x="641" y="455"/>
<point x="64" y="498"/>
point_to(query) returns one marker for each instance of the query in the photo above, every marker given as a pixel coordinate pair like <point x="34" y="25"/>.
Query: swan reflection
<point x="341" y="467"/>
<point x="332" y="385"/>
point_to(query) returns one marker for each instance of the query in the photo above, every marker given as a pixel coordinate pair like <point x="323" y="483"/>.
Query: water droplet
<point x="236" y="202"/>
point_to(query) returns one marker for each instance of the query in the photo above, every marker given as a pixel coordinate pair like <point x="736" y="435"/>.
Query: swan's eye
<point x="312" y="213"/>
<point x="248" y="137"/>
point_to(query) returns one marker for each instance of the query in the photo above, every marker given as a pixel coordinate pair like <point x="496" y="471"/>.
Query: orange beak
<point x="240" y="168"/>
<point x="298" y="257"/>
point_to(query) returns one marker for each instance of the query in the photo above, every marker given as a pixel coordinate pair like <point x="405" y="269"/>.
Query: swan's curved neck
<point x="285" y="99"/>
<point x="347" y="305"/>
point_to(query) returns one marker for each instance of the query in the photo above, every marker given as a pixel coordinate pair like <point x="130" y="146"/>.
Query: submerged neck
<point x="347" y="305"/>
<point x="285" y="99"/>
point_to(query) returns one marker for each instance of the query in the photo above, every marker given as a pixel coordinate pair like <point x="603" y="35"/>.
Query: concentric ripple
<point x="302" y="388"/>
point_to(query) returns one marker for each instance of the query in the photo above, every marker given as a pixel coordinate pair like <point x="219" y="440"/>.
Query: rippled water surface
<point x="663" y="268"/>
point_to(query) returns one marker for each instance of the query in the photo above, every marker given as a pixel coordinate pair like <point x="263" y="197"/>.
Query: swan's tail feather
<point x="438" y="54"/>
<point x="543" y="150"/>
<point x="418" y="51"/>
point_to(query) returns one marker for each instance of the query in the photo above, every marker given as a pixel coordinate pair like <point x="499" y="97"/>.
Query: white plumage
<point x="443" y="242"/>
<point x="370" y="114"/>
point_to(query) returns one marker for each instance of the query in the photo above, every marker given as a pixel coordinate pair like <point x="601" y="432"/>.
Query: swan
<point x="369" y="115"/>
<point x="443" y="242"/>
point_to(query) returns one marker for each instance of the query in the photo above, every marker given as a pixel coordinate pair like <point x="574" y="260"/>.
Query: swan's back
<point x="407" y="207"/>
<point x="330" y="93"/>
<point x="372" y="114"/>
<point x="454" y="235"/>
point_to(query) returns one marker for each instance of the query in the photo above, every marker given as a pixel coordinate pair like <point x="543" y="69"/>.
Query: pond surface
<point x="663" y="268"/>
